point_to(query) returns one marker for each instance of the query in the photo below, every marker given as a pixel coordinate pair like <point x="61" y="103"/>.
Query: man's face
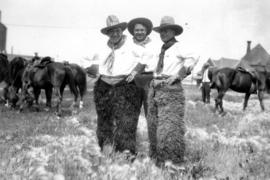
<point x="115" y="35"/>
<point x="140" y="32"/>
<point x="166" y="34"/>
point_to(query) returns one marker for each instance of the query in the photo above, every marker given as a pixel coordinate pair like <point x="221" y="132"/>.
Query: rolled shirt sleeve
<point x="178" y="60"/>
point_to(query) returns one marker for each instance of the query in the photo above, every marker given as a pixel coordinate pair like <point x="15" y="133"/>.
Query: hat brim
<point x="178" y="29"/>
<point x="122" y="25"/>
<point x="144" y="21"/>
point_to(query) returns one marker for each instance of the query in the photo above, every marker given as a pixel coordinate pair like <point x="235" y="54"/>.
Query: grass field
<point x="40" y="146"/>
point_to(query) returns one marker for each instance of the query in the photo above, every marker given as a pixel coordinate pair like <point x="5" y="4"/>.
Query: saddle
<point x="245" y="67"/>
<point x="43" y="62"/>
<point x="254" y="76"/>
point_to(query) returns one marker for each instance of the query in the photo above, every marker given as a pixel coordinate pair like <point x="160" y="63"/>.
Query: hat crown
<point x="112" y="20"/>
<point x="167" y="20"/>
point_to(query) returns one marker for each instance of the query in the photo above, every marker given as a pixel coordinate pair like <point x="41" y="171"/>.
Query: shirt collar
<point x="142" y="43"/>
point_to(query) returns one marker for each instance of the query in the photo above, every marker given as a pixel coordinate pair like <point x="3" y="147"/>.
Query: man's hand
<point x="131" y="76"/>
<point x="171" y="80"/>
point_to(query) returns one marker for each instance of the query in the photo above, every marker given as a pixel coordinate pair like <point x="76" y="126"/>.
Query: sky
<point x="70" y="30"/>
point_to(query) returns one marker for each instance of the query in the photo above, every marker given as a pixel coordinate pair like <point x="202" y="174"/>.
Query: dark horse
<point x="239" y="81"/>
<point x="79" y="80"/>
<point x="47" y="75"/>
<point x="4" y="72"/>
<point x="15" y="71"/>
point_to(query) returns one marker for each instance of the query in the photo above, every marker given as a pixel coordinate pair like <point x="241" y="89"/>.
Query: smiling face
<point x="115" y="35"/>
<point x="166" y="34"/>
<point x="140" y="32"/>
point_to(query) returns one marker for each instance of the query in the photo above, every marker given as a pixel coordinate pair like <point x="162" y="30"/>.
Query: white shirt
<point x="205" y="76"/>
<point x="147" y="54"/>
<point x="124" y="61"/>
<point x="177" y="57"/>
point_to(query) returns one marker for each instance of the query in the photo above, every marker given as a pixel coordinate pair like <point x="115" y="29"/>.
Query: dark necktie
<point x="164" y="47"/>
<point x="160" y="61"/>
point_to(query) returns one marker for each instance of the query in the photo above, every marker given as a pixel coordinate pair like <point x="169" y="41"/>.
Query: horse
<point x="239" y="81"/>
<point x="47" y="75"/>
<point x="15" y="71"/>
<point x="79" y="79"/>
<point x="4" y="73"/>
<point x="3" y="67"/>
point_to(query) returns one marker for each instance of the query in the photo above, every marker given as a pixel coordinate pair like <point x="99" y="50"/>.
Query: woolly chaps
<point x="165" y="120"/>
<point x="118" y="109"/>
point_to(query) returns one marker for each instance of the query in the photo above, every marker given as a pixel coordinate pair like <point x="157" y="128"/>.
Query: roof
<point x="211" y="62"/>
<point x="258" y="58"/>
<point x="226" y="62"/>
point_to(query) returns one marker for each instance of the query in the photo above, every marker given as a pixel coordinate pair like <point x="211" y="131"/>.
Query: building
<point x="256" y="58"/>
<point x="226" y="62"/>
<point x="3" y="36"/>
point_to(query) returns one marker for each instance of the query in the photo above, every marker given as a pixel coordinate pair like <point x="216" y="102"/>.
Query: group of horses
<point x="24" y="80"/>
<point x="239" y="80"/>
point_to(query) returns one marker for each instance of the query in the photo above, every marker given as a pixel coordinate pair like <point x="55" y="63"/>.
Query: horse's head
<point x="27" y="95"/>
<point x="12" y="95"/>
<point x="211" y="72"/>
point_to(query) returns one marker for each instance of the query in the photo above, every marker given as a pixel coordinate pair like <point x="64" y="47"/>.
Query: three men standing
<point x="118" y="98"/>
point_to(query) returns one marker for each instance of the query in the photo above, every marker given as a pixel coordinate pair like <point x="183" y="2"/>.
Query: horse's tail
<point x="212" y="83"/>
<point x="4" y="63"/>
<point x="83" y="83"/>
<point x="71" y="82"/>
<point x="80" y="79"/>
<point x="217" y="80"/>
<point x="212" y="76"/>
<point x="267" y="85"/>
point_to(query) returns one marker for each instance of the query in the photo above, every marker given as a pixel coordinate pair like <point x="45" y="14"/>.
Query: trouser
<point x="206" y="92"/>
<point x="144" y="99"/>
<point x="118" y="109"/>
<point x="165" y="121"/>
<point x="143" y="80"/>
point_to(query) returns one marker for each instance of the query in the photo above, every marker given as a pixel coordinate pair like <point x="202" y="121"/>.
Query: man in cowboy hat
<point x="166" y="105"/>
<point x="118" y="100"/>
<point x="145" y="50"/>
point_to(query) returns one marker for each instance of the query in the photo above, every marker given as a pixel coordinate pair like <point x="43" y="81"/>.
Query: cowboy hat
<point x="112" y="23"/>
<point x="144" y="21"/>
<point x="167" y="22"/>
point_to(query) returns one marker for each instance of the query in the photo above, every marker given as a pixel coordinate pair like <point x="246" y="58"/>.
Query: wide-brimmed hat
<point x="144" y="21"/>
<point x="113" y="22"/>
<point x="167" y="22"/>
